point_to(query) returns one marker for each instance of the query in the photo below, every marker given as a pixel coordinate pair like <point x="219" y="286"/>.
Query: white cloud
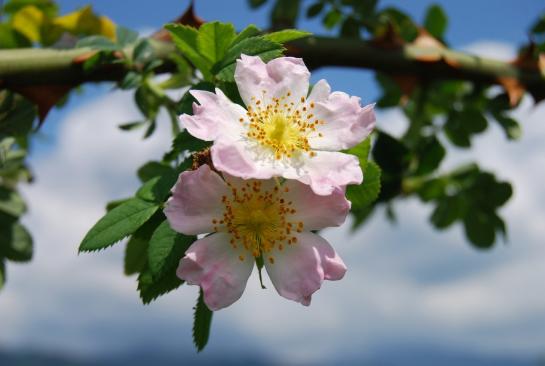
<point x="405" y="284"/>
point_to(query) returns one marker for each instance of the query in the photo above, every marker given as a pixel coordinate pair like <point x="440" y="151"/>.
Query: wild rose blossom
<point x="247" y="219"/>
<point x="284" y="131"/>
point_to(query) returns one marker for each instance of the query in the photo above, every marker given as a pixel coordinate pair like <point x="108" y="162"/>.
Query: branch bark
<point x="49" y="66"/>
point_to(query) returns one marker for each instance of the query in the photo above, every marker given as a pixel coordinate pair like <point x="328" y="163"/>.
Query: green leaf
<point x="151" y="288"/>
<point x="350" y="28"/>
<point x="130" y="126"/>
<point x="366" y="193"/>
<point x="214" y="39"/>
<point x="332" y="18"/>
<point x="131" y="80"/>
<point x="436" y="21"/>
<point x="125" y="36"/>
<point x="98" y="42"/>
<point x="123" y="220"/>
<point x="254" y="4"/>
<point x="512" y="128"/>
<point x="184" y="141"/>
<point x="473" y="120"/>
<point x="157" y="188"/>
<point x="15" y="241"/>
<point x="480" y="228"/>
<point x="315" y="9"/>
<point x="166" y="248"/>
<point x="249" y="31"/>
<point x="147" y="101"/>
<point x="143" y="52"/>
<point x="254" y="46"/>
<point x="284" y="13"/>
<point x="153" y="169"/>
<point x="11" y="202"/>
<point x="391" y="154"/>
<point x="391" y="93"/>
<point x="11" y="38"/>
<point x="136" y="252"/>
<point x="286" y="35"/>
<point x="113" y="204"/>
<point x="17" y="117"/>
<point x="185" y="38"/>
<point x="432" y="189"/>
<point x="361" y="150"/>
<point x="447" y="211"/>
<point x="201" y="323"/>
<point x="430" y="153"/>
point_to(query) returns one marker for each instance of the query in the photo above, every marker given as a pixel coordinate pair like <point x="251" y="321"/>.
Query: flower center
<point x="258" y="220"/>
<point x="282" y="127"/>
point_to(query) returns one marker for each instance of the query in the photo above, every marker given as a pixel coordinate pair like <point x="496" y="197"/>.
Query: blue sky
<point x="408" y="289"/>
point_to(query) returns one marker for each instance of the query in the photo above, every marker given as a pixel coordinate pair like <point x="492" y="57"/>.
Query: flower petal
<point x="216" y="115"/>
<point x="237" y="159"/>
<point x="214" y="265"/>
<point x="346" y="122"/>
<point x="196" y="201"/>
<point x="315" y="211"/>
<point x="328" y="170"/>
<point x="276" y="78"/>
<point x="299" y="269"/>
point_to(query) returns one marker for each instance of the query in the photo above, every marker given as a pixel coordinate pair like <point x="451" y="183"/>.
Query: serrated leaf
<point x="166" y="248"/>
<point x="366" y="193"/>
<point x="153" y="169"/>
<point x="151" y="288"/>
<point x="286" y="35"/>
<point x="249" y="31"/>
<point x="157" y="188"/>
<point x="202" y="321"/>
<point x="361" y="150"/>
<point x="185" y="38"/>
<point x="118" y="223"/>
<point x="136" y="252"/>
<point x="436" y="21"/>
<point x="254" y="46"/>
<point x="214" y="39"/>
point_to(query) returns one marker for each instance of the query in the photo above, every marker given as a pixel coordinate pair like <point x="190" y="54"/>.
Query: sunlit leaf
<point x="118" y="223"/>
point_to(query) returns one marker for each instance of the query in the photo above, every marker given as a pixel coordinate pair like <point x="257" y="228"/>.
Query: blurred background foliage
<point x="445" y="112"/>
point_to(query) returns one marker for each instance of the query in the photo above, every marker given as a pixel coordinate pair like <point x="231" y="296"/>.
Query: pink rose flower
<point x="284" y="131"/>
<point x="247" y="219"/>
